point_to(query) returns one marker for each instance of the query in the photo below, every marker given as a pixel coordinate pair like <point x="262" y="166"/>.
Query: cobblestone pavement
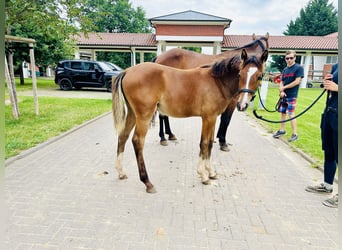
<point x="65" y="194"/>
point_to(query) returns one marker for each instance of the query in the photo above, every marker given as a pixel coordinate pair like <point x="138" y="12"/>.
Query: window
<point x="88" y="66"/>
<point x="331" y="59"/>
<point x="76" y="65"/>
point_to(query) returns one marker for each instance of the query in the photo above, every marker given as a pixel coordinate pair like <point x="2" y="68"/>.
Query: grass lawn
<point x="308" y="125"/>
<point x="56" y="115"/>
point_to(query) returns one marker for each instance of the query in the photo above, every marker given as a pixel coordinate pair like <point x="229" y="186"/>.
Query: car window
<point x="76" y="65"/>
<point x="104" y="66"/>
<point x="88" y="66"/>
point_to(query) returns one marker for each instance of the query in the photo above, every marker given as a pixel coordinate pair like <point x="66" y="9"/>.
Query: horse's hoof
<point x="164" y="143"/>
<point x="207" y="182"/>
<point x="122" y="176"/>
<point x="151" y="190"/>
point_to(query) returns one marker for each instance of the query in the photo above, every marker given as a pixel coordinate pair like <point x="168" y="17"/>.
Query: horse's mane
<point x="257" y="41"/>
<point x="225" y="66"/>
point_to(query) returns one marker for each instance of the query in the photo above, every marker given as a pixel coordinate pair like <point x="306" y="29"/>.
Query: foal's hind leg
<point x="205" y="170"/>
<point x="138" y="141"/>
<point x="123" y="136"/>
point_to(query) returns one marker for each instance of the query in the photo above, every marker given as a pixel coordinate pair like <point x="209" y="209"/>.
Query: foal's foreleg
<point x="122" y="139"/>
<point x="138" y="141"/>
<point x="204" y="169"/>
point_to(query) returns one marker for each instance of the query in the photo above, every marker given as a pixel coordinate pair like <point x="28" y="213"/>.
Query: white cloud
<point x="248" y="16"/>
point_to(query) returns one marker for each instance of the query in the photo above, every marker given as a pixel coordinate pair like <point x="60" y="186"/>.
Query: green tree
<point x="117" y="16"/>
<point x="49" y="22"/>
<point x="317" y="18"/>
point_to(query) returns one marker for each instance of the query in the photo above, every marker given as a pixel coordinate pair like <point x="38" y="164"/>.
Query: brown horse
<point x="185" y="59"/>
<point x="204" y="91"/>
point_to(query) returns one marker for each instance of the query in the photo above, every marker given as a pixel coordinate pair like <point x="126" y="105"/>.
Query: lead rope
<point x="290" y="119"/>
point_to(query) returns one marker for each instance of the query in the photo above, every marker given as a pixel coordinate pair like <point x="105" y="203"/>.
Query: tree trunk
<point x="12" y="93"/>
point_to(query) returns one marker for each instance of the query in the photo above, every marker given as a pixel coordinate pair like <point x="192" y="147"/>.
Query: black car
<point x="84" y="73"/>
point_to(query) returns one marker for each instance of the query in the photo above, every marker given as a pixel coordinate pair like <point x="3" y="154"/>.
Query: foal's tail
<point x="119" y="103"/>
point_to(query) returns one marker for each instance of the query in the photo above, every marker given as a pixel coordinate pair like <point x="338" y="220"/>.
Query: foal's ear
<point x="244" y="55"/>
<point x="264" y="56"/>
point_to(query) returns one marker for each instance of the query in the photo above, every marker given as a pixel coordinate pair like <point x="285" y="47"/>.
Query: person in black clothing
<point x="329" y="134"/>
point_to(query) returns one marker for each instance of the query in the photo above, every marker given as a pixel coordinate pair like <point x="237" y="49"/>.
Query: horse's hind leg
<point x="123" y="136"/>
<point x="205" y="170"/>
<point x="138" y="141"/>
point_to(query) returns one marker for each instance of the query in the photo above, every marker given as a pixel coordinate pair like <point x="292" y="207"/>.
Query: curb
<point x="52" y="140"/>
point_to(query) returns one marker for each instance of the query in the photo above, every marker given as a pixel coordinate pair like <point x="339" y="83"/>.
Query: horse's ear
<point x="267" y="35"/>
<point x="244" y="55"/>
<point x="254" y="37"/>
<point x="264" y="56"/>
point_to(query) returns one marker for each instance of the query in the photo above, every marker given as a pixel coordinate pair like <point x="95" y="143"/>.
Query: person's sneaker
<point x="321" y="188"/>
<point x="279" y="133"/>
<point x="224" y="147"/>
<point x="332" y="202"/>
<point x="293" y="138"/>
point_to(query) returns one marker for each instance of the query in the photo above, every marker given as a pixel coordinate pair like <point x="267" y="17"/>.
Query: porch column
<point x="217" y="48"/>
<point x="142" y="56"/>
<point x="306" y="62"/>
<point x="133" y="57"/>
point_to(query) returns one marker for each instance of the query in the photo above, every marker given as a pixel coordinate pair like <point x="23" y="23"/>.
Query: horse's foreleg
<point x="138" y="141"/>
<point x="204" y="169"/>
<point x="123" y="136"/>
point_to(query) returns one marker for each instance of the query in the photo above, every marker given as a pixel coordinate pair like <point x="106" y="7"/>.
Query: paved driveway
<point x="59" y="196"/>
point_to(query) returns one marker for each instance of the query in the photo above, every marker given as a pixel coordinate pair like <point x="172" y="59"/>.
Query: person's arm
<point x="291" y="85"/>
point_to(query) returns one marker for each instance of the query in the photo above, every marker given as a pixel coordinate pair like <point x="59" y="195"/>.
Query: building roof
<point x="190" y="15"/>
<point x="319" y="44"/>
<point x="298" y="43"/>
<point x="116" y="40"/>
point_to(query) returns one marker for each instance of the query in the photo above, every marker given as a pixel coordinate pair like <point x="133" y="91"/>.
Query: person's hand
<point x="282" y="94"/>
<point x="328" y="77"/>
<point x="330" y="85"/>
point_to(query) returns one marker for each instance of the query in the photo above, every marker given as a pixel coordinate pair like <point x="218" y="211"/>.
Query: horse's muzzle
<point x="241" y="107"/>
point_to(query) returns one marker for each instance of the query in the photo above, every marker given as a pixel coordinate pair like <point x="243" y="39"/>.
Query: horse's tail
<point x="119" y="103"/>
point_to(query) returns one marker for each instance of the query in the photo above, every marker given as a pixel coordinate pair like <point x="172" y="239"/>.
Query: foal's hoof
<point x="122" y="176"/>
<point x="207" y="182"/>
<point x="214" y="177"/>
<point x="151" y="190"/>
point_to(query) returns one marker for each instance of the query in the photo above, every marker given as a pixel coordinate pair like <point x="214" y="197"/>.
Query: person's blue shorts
<point x="288" y="106"/>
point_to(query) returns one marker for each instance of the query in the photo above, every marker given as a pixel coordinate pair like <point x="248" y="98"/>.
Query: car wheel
<point x="65" y="84"/>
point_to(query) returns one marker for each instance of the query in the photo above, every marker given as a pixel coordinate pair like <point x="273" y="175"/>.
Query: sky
<point x="248" y="16"/>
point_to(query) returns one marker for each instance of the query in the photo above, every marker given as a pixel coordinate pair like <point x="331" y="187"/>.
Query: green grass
<point x="42" y="83"/>
<point x="56" y="115"/>
<point x="308" y="125"/>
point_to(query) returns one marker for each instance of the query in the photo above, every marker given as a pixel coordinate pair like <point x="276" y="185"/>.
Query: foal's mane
<point x="252" y="59"/>
<point x="225" y="66"/>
